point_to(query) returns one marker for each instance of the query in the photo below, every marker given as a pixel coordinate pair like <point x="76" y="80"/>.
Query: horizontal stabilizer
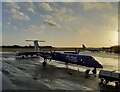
<point x="36" y="40"/>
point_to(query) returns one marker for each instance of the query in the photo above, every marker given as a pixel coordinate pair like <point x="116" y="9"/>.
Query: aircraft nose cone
<point x="98" y="65"/>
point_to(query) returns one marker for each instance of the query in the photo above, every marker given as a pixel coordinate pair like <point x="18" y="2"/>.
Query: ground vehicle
<point x="109" y="76"/>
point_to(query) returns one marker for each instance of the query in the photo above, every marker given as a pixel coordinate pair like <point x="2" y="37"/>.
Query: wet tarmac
<point x="29" y="74"/>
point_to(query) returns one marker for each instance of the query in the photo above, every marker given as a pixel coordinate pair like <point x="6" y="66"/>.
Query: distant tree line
<point x="18" y="46"/>
<point x="116" y="48"/>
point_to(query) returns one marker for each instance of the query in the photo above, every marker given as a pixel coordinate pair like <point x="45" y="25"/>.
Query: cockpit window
<point x="92" y="58"/>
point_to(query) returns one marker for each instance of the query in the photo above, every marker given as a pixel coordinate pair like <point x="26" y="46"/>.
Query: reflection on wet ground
<point x="29" y="74"/>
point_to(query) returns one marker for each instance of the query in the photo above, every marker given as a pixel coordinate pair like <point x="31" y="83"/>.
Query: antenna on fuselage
<point x="36" y="45"/>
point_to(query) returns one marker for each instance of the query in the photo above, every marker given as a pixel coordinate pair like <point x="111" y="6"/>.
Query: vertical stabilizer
<point x="36" y="46"/>
<point x="83" y="46"/>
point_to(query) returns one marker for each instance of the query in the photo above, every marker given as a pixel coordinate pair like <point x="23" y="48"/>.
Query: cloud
<point x="67" y="18"/>
<point x="47" y="17"/>
<point x="30" y="7"/>
<point x="13" y="5"/>
<point x="45" y="6"/>
<point x="37" y="29"/>
<point x="16" y="13"/>
<point x="8" y="0"/>
<point x="60" y="18"/>
<point x="64" y="14"/>
<point x="52" y="23"/>
<point x="49" y="20"/>
<point x="63" y="10"/>
<point x="97" y="6"/>
<point x="58" y="14"/>
<point x="31" y="10"/>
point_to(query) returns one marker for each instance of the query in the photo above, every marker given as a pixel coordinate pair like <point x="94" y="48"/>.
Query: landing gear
<point x="117" y="84"/>
<point x="78" y="67"/>
<point x="101" y="81"/>
<point x="23" y="57"/>
<point x="44" y="63"/>
<point x="66" y="65"/>
<point x="87" y="71"/>
<point x="94" y="71"/>
<point x="106" y="81"/>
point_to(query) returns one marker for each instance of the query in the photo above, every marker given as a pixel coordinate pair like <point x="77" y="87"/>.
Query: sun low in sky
<point x="62" y="24"/>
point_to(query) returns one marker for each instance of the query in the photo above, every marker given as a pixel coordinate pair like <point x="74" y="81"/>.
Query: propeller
<point x="77" y="51"/>
<point x="48" y="55"/>
<point x="51" y="54"/>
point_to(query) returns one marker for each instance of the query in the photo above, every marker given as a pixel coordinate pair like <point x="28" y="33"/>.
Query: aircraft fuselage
<point x="78" y="59"/>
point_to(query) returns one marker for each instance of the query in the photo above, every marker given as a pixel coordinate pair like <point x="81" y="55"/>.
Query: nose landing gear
<point x="94" y="71"/>
<point x="44" y="63"/>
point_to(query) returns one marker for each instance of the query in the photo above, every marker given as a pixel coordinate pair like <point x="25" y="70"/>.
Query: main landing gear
<point x="94" y="71"/>
<point x="44" y="63"/>
<point x="66" y="64"/>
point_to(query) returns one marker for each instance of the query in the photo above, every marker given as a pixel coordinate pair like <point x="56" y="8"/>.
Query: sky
<point x="60" y="24"/>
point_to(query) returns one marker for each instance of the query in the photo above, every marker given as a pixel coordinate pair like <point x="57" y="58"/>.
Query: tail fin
<point x="83" y="46"/>
<point x="36" y="46"/>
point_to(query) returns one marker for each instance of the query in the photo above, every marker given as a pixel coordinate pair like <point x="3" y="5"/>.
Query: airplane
<point x="72" y="58"/>
<point x="34" y="53"/>
<point x="73" y="52"/>
<point x="91" y="49"/>
<point x="67" y="57"/>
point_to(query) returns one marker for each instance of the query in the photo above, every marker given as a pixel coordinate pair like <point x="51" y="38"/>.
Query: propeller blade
<point x="78" y="51"/>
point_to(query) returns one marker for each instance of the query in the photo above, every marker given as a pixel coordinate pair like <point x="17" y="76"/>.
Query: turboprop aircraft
<point x="67" y="57"/>
<point x="71" y="58"/>
<point x="91" y="49"/>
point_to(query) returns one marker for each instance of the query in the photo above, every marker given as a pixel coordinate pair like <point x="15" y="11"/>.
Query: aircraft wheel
<point x="44" y="64"/>
<point x="66" y="65"/>
<point x="117" y="84"/>
<point x="31" y="55"/>
<point x="106" y="81"/>
<point x="101" y="81"/>
<point x="94" y="71"/>
<point x="23" y="57"/>
<point x="87" y="71"/>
